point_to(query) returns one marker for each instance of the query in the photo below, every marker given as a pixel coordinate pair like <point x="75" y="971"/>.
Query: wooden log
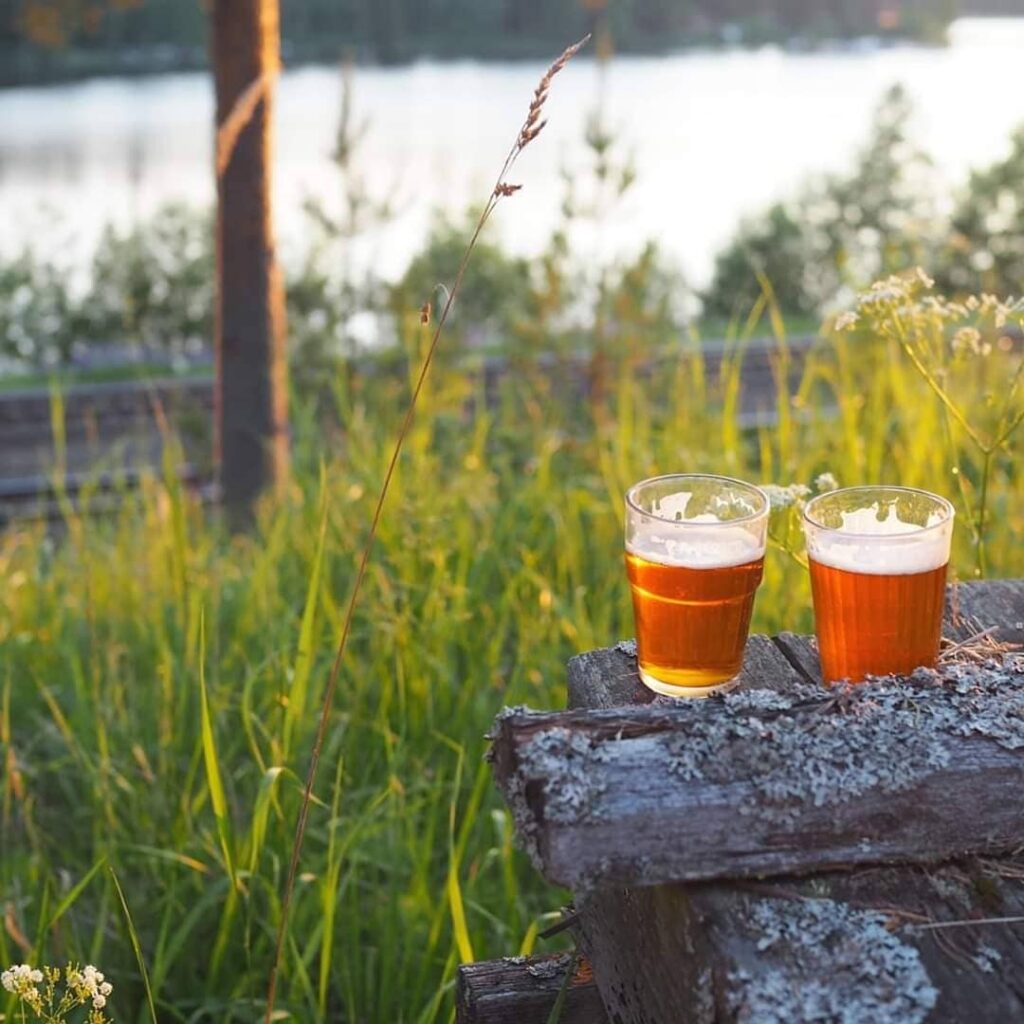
<point x="779" y="777"/>
<point x="523" y="990"/>
<point x="861" y="946"/>
<point x="851" y="946"/>
<point x="761" y="782"/>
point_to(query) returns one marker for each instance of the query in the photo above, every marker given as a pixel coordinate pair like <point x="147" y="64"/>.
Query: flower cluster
<point x="786" y="497"/>
<point x="90" y="984"/>
<point x="903" y="304"/>
<point x="52" y="1003"/>
<point x="22" y="980"/>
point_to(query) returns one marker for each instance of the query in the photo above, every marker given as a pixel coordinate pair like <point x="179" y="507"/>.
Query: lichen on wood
<point x="596" y="795"/>
<point x="825" y="961"/>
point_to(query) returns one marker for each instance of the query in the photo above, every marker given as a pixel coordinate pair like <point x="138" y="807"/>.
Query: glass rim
<point x="752" y="517"/>
<point x="944" y="503"/>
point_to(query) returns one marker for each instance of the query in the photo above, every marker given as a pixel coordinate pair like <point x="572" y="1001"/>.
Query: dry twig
<point x="980" y="646"/>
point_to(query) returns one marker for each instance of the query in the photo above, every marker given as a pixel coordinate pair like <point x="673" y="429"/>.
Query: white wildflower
<point x="846" y="320"/>
<point x="89" y="983"/>
<point x="923" y="278"/>
<point x="785" y="497"/>
<point x="825" y="482"/>
<point x="21" y="980"/>
<point x="968" y="339"/>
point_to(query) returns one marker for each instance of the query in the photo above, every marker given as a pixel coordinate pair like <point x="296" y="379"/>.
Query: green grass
<point x="158" y="678"/>
<point x="70" y="376"/>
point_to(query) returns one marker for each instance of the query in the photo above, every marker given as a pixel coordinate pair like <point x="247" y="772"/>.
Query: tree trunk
<point x="251" y="444"/>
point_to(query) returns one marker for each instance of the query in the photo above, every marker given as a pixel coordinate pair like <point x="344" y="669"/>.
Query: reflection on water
<point x="714" y="136"/>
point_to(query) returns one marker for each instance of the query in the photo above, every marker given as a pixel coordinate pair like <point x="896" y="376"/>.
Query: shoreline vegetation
<point x="40" y="46"/>
<point x="145" y="300"/>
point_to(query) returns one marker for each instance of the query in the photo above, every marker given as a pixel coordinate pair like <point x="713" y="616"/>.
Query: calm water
<point x="714" y="136"/>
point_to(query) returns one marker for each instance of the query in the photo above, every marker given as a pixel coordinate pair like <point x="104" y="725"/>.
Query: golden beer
<point x="873" y="624"/>
<point x="878" y="559"/>
<point x="694" y="559"/>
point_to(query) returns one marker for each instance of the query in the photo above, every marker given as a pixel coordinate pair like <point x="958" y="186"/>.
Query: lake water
<point x="714" y="135"/>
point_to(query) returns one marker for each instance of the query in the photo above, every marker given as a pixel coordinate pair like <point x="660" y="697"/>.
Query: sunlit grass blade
<point x="76" y="890"/>
<point x="261" y="812"/>
<point x="306" y="650"/>
<point x="218" y="799"/>
<point x="136" y="945"/>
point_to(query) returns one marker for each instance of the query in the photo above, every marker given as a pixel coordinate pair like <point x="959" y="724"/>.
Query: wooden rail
<point x="524" y="990"/>
<point x="119" y="429"/>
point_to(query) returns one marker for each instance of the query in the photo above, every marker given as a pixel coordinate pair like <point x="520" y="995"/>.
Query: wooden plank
<point x="998" y="603"/>
<point x="856" y="946"/>
<point x="608" y="678"/>
<point x="523" y="990"/>
<point x="833" y="947"/>
<point x="760" y="782"/>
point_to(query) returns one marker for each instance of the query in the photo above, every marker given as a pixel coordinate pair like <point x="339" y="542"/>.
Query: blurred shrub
<point x="153" y="285"/>
<point x="985" y="250"/>
<point x="495" y="299"/>
<point x="151" y="288"/>
<point x="841" y="232"/>
<point x="39" y="319"/>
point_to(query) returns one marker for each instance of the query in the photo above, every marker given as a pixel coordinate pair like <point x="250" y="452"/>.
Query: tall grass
<point x="156" y="674"/>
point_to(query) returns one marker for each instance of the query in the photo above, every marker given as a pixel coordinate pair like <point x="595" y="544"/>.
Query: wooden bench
<point x="786" y="853"/>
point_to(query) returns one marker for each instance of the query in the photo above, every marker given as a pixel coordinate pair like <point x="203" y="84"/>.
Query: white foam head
<point x="875" y="544"/>
<point x="703" y="541"/>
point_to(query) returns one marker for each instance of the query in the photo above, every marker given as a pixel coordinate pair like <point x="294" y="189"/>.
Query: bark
<point x="857" y="945"/>
<point x="251" y="392"/>
<point x="523" y="990"/>
<point x="779" y="777"/>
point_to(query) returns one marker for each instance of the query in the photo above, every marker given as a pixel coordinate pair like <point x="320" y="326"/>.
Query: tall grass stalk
<point x="531" y="128"/>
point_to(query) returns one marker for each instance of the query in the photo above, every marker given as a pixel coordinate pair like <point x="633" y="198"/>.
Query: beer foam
<point x="697" y="546"/>
<point x="877" y="546"/>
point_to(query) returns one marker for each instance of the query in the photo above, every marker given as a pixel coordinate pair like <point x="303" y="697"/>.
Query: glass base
<point x="674" y="690"/>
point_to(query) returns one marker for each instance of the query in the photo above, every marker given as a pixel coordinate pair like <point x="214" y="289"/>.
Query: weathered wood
<point x="523" y="990"/>
<point x="834" y="947"/>
<point x="608" y="678"/>
<point x="761" y="782"/>
<point x="838" y="947"/>
<point x="998" y="603"/>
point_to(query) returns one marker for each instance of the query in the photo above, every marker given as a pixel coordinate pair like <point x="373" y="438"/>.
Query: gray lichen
<point x="565" y="755"/>
<point x="986" y="958"/>
<point x="627" y="647"/>
<point x="804" y="747"/>
<point x="884" y="735"/>
<point x="821" y="961"/>
<point x="553" y="968"/>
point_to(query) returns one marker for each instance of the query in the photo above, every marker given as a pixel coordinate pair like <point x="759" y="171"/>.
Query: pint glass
<point x="694" y="556"/>
<point x="878" y="558"/>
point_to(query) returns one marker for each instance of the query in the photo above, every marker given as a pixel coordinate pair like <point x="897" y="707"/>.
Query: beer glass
<point x="878" y="558"/>
<point x="694" y="556"/>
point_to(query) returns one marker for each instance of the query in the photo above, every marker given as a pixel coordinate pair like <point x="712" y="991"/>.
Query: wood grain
<point x="840" y="946"/>
<point x="720" y="790"/>
<point x="523" y="990"/>
<point x="700" y="952"/>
